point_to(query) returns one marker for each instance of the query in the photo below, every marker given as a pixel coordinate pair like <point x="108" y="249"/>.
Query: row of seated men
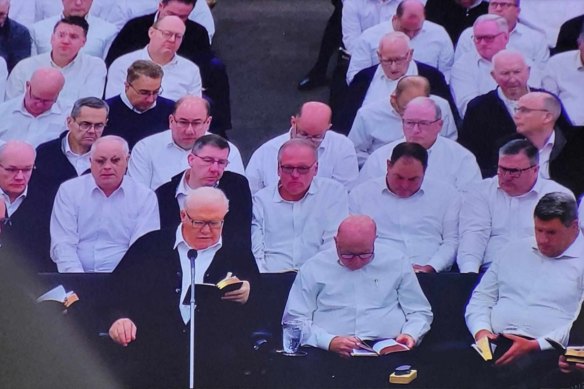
<point x="88" y="50"/>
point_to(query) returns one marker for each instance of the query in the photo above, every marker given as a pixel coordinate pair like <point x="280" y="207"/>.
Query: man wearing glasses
<point x="523" y="38"/>
<point x="153" y="280"/>
<point x="207" y="162"/>
<point x="96" y="217"/>
<point x="499" y="209"/>
<point x="336" y="154"/>
<point x="560" y="150"/>
<point x="37" y="114"/>
<point x="139" y="111"/>
<point x="181" y="76"/>
<point x="447" y="160"/>
<point x="358" y="290"/>
<point x="296" y="217"/>
<point x="159" y="157"/>
<point x="415" y="214"/>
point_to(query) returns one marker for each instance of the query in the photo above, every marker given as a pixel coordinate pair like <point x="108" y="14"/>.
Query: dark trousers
<point x="331" y="40"/>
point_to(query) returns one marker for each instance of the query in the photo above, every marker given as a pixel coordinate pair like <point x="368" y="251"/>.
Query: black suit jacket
<point x="487" y="125"/>
<point x="237" y="225"/>
<point x="567" y="160"/>
<point x="569" y="35"/>
<point x="343" y="120"/>
<point x="452" y="16"/>
<point x="147" y="286"/>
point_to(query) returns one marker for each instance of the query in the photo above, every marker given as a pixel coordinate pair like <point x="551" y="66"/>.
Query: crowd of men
<point x="453" y="142"/>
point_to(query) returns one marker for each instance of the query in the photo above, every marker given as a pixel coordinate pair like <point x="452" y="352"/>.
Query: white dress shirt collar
<point x="579" y="63"/>
<point x="575" y="250"/>
<point x="79" y="161"/>
<point x="12" y="206"/>
<point x="544" y="156"/>
<point x="126" y="101"/>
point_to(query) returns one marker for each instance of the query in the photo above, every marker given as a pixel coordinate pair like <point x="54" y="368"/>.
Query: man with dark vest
<point x="139" y="111"/>
<point x="207" y="162"/>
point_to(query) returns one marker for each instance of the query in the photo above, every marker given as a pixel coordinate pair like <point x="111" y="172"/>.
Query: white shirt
<point x="124" y="10"/>
<point x="378" y="124"/>
<point x="18" y="123"/>
<point x="544" y="156"/>
<point x="424" y="226"/>
<point x="490" y="219"/>
<point x="285" y="233"/>
<point x="381" y="86"/>
<point x="181" y="76"/>
<point x="564" y="76"/>
<point x="359" y="15"/>
<point x="527" y="293"/>
<point x="84" y="76"/>
<point x="447" y="161"/>
<point x="380" y="300"/>
<point x="432" y="46"/>
<point x="204" y="259"/>
<point x="528" y="41"/>
<point x="549" y="16"/>
<point x="91" y="232"/>
<point x="47" y="8"/>
<point x="336" y="160"/>
<point x="12" y="206"/>
<point x="156" y="159"/>
<point x="99" y="36"/>
<point x="81" y="162"/>
<point x="23" y="11"/>
<point x="3" y="77"/>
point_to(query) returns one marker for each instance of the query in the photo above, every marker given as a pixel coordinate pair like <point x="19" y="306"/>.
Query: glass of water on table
<point x="292" y="332"/>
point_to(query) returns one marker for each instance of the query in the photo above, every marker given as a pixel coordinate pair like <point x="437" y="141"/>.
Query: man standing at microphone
<point x="152" y="317"/>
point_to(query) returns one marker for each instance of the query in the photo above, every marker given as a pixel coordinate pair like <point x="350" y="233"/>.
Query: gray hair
<point x="206" y="195"/>
<point x="89" y="102"/>
<point x="557" y="205"/>
<point x="109" y="138"/>
<point x="423" y="100"/>
<point x="297" y="142"/>
<point x="500" y="21"/>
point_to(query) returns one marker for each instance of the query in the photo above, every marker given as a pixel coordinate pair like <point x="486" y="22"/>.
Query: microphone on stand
<point x="192" y="255"/>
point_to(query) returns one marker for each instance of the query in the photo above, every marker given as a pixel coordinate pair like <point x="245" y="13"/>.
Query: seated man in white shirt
<point x="470" y="73"/>
<point x="99" y="36"/>
<point x="97" y="217"/>
<point x="37" y="114"/>
<point x="430" y="41"/>
<point x="380" y="123"/>
<point x="84" y="74"/>
<point x="296" y="217"/>
<point x="527" y="40"/>
<point x="499" y="210"/>
<point x="448" y="161"/>
<point x="336" y="153"/>
<point x="360" y="290"/>
<point x="159" y="157"/>
<point x="181" y="76"/>
<point x="417" y="215"/>
<point x="564" y="76"/>
<point x="532" y="292"/>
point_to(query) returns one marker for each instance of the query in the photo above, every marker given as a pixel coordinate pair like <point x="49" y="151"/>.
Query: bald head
<point x="409" y="17"/>
<point x="206" y="197"/>
<point x="166" y="36"/>
<point x="17" y="161"/>
<point x="511" y="73"/>
<point x="408" y="88"/>
<point x="357" y="228"/>
<point x="42" y="90"/>
<point x="202" y="217"/>
<point x="394" y="54"/>
<point x="311" y="122"/>
<point x="355" y="241"/>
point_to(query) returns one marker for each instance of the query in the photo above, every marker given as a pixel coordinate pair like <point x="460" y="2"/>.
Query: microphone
<point x="192" y="254"/>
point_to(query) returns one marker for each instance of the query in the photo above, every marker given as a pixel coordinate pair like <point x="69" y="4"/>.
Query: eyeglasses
<point x="419" y="123"/>
<point x="200" y="224"/>
<point x="300" y="169"/>
<point x="210" y="161"/>
<point x="15" y="170"/>
<point x="146" y="93"/>
<point x="349" y="256"/>
<point x="86" y="126"/>
<point x="496" y="4"/>
<point x="513" y="173"/>
<point x="63" y="35"/>
<point x="168" y="35"/>
<point x="38" y="99"/>
<point x="523" y="110"/>
<point x="396" y="61"/>
<point x="183" y="124"/>
<point x="485" y="38"/>
<point x="303" y="135"/>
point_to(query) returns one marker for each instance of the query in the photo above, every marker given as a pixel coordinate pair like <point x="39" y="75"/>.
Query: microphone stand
<point x="192" y="255"/>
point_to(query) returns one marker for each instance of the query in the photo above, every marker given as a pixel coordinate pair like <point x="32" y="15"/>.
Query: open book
<point x="206" y="290"/>
<point x="572" y="353"/>
<point x="484" y="347"/>
<point x="375" y="348"/>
